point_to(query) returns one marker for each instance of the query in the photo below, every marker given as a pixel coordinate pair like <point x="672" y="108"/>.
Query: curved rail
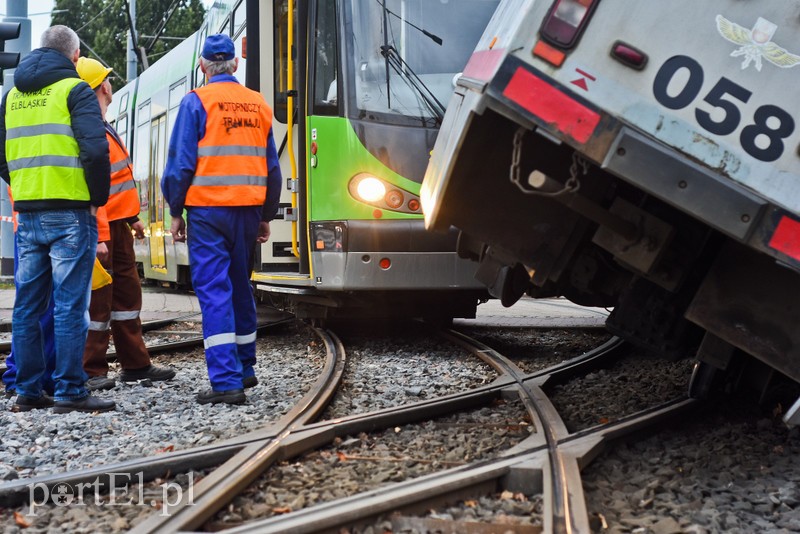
<point x="566" y="500"/>
<point x="526" y="467"/>
<point x="549" y="460"/>
<point x="227" y="481"/>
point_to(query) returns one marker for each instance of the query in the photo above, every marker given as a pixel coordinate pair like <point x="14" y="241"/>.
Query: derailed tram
<point x="640" y="156"/>
<point x="359" y="89"/>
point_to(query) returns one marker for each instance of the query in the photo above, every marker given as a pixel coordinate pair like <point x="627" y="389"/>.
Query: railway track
<point x="548" y="462"/>
<point x="147" y="326"/>
<point x="157" y="344"/>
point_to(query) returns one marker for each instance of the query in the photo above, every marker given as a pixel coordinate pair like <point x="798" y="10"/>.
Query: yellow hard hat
<point x="92" y="71"/>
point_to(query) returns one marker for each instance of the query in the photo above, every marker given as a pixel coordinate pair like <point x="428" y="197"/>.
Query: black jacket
<point x="40" y="68"/>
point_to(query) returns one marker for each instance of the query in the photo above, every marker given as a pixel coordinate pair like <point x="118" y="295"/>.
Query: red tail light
<point x="786" y="237"/>
<point x="566" y="20"/>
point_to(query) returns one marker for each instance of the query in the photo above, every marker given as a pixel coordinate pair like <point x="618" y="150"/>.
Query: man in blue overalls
<point x="223" y="168"/>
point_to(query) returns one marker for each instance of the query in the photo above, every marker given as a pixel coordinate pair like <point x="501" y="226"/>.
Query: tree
<point x="103" y="27"/>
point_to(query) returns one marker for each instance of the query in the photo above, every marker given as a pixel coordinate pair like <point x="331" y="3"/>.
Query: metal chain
<point x="516" y="155"/>
<point x="573" y="184"/>
<point x="579" y="167"/>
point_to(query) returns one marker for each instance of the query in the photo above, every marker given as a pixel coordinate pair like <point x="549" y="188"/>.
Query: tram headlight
<point x="382" y="194"/>
<point x="369" y="189"/>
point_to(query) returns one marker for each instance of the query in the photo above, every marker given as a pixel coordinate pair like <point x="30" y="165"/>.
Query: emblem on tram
<point x="756" y="43"/>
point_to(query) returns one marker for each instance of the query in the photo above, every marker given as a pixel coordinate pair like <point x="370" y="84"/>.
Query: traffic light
<point x="8" y="30"/>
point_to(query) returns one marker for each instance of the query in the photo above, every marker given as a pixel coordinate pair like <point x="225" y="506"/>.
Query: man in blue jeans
<point x="54" y="153"/>
<point x="10" y="374"/>
<point x="46" y="324"/>
<point x="49" y="346"/>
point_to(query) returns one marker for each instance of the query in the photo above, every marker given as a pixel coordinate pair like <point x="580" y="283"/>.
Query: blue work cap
<point x="218" y="47"/>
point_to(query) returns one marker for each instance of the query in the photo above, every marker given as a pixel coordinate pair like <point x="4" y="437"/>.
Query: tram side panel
<point x="629" y="156"/>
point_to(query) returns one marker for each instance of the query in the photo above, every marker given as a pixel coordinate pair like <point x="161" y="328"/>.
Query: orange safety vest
<point x="123" y="199"/>
<point x="232" y="156"/>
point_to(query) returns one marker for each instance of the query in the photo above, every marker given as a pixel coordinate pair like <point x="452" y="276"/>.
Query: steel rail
<point x="566" y="502"/>
<point x="148" y="468"/>
<point x="519" y="469"/>
<point x="302" y="438"/>
<point x="347" y="511"/>
<point x="155" y="324"/>
<point x="147" y="326"/>
<point x="522" y="468"/>
<point x="16" y="492"/>
<point x="224" y="483"/>
<point x="191" y="342"/>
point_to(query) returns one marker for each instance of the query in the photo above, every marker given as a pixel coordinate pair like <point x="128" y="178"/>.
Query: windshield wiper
<point x="403" y="70"/>
<point x="435" y="38"/>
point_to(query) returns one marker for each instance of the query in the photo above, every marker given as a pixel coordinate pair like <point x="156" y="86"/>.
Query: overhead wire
<point x="109" y="6"/>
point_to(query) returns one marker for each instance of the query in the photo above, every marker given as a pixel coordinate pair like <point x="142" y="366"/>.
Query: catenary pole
<point x="132" y="42"/>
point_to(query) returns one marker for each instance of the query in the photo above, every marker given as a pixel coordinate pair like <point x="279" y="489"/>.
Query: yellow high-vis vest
<point x="41" y="150"/>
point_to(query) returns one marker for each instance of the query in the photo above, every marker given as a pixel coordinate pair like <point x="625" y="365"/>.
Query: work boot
<point x="100" y="382"/>
<point x="151" y="372"/>
<point x="231" y="396"/>
<point x="26" y="404"/>
<point x="87" y="404"/>
<point x="250" y="381"/>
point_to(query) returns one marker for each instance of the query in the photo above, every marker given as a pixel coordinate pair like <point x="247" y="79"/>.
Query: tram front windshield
<point x="406" y="55"/>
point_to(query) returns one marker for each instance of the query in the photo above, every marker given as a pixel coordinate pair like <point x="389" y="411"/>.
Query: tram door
<point x="158" y="253"/>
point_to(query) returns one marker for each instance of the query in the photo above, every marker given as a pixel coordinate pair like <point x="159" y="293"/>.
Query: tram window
<point x="176" y="93"/>
<point x="141" y="162"/>
<point x="239" y="18"/>
<point x="144" y="113"/>
<point x="281" y="65"/>
<point x="199" y="77"/>
<point x="325" y="61"/>
<point x="201" y="42"/>
<point x="123" y="103"/>
<point x="122" y="126"/>
<point x="225" y="27"/>
<point x="141" y="152"/>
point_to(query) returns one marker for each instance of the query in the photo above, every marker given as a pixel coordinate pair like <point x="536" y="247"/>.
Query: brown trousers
<point x="114" y="309"/>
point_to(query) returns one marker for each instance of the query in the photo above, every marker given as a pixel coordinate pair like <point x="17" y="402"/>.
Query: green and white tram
<point x="365" y="83"/>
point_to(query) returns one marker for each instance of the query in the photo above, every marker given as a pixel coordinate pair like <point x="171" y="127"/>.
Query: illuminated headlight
<point x="370" y="189"/>
<point x="383" y="195"/>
